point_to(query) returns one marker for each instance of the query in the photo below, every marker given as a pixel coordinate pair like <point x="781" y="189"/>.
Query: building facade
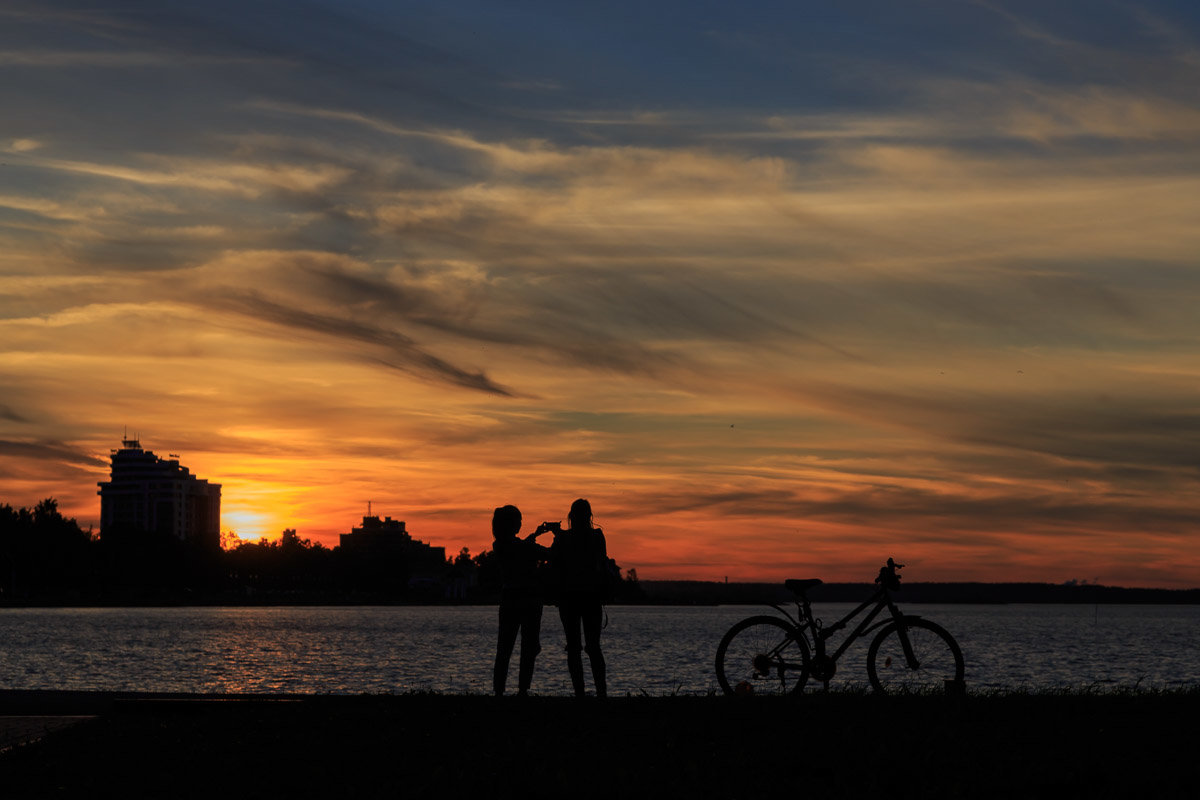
<point x="148" y="494"/>
<point x="386" y="541"/>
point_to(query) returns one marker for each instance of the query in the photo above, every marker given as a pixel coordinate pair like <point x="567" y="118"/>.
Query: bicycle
<point x="769" y="655"/>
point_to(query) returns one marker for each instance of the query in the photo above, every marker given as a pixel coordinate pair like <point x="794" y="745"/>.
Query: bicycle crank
<point x="823" y="668"/>
<point x="763" y="665"/>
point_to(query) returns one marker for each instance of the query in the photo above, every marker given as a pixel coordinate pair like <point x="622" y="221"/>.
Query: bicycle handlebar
<point x="888" y="575"/>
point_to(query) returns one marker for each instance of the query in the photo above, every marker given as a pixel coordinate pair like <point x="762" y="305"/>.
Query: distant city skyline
<point x="783" y="289"/>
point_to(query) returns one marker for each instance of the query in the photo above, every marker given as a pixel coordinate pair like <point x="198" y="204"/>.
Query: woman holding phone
<point x="578" y="558"/>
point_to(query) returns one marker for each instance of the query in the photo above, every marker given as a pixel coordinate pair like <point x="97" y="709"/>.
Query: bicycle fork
<point x="910" y="656"/>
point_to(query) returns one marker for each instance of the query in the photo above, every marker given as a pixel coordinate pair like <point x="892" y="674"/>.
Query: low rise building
<point x="386" y="541"/>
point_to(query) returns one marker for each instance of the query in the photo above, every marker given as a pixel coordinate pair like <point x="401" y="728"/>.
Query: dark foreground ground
<point x="839" y="745"/>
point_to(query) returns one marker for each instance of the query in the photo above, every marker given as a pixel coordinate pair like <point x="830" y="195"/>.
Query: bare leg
<point x="592" y="617"/>
<point x="568" y="612"/>
<point x="531" y="645"/>
<point x="510" y="623"/>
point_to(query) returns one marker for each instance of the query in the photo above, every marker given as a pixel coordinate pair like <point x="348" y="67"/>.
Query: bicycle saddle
<point x="800" y="586"/>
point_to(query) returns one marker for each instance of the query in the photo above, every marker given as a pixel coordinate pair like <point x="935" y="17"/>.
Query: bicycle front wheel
<point x="762" y="655"/>
<point x="937" y="658"/>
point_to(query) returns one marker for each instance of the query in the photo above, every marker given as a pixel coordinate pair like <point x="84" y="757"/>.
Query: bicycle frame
<point x="804" y="622"/>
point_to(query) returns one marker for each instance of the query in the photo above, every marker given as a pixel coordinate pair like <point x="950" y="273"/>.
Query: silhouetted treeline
<point x="47" y="559"/>
<point x="716" y="593"/>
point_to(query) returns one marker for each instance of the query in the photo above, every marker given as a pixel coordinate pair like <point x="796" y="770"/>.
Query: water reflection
<point x="449" y="649"/>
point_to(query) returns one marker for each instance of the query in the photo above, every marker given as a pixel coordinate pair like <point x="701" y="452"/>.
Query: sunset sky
<point x="783" y="288"/>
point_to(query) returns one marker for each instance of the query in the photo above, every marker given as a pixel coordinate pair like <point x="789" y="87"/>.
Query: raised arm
<point x="532" y="543"/>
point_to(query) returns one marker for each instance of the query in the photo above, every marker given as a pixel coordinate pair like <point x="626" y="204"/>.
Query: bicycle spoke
<point x="936" y="659"/>
<point x="760" y="656"/>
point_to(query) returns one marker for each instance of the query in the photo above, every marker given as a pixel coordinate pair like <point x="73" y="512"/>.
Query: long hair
<point x="506" y="521"/>
<point x="580" y="515"/>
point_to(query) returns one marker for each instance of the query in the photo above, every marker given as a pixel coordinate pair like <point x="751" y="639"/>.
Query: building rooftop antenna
<point x="131" y="444"/>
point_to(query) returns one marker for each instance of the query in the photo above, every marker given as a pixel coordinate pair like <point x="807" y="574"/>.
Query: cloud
<point x="107" y="59"/>
<point x="356" y="302"/>
<point x="943" y="515"/>
<point x="233" y="178"/>
<point x="49" y="451"/>
<point x="405" y="355"/>
<point x="7" y="412"/>
<point x="23" y="145"/>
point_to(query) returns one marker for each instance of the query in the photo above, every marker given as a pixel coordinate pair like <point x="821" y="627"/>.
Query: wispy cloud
<point x="404" y="354"/>
<point x="49" y="451"/>
<point x="109" y="59"/>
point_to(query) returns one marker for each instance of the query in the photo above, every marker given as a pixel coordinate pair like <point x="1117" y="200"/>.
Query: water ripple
<point x="655" y="650"/>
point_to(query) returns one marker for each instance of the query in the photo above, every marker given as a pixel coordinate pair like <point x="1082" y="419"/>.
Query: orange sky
<point x="782" y="300"/>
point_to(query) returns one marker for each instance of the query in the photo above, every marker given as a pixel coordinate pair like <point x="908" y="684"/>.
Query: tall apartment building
<point x="156" y="495"/>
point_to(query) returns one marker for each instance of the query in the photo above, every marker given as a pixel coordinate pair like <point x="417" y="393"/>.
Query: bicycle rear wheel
<point x="938" y="659"/>
<point x="762" y="655"/>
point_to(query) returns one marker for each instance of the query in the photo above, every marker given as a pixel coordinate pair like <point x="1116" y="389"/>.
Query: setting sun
<point x="249" y="526"/>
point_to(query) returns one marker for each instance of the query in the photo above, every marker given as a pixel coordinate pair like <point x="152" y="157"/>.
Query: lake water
<point x="656" y="650"/>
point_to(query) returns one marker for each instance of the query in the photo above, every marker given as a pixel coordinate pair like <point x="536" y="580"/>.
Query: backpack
<point x="610" y="580"/>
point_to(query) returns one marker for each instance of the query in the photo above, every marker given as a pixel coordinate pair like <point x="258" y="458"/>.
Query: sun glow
<point x="250" y="526"/>
<point x="259" y="502"/>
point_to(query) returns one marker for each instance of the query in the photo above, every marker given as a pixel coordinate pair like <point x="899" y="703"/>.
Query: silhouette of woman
<point x="578" y="556"/>
<point x="520" y="597"/>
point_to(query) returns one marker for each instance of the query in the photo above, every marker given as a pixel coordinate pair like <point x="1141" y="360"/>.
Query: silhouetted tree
<point x="487" y="572"/>
<point x="629" y="590"/>
<point x="289" y="566"/>
<point x="458" y="575"/>
<point x="43" y="555"/>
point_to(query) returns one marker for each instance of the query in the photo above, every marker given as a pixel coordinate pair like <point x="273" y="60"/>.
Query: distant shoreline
<point x="671" y="593"/>
<point x="947" y="592"/>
